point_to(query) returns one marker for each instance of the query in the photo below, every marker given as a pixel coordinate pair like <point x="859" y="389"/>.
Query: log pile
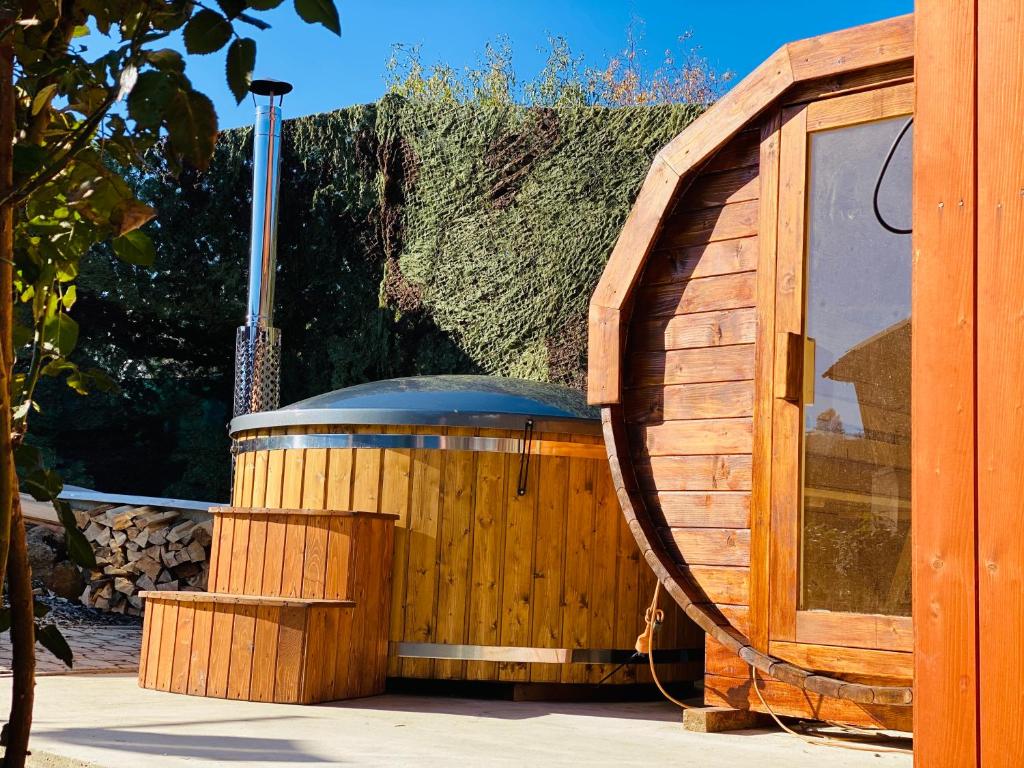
<point x="142" y="548"/>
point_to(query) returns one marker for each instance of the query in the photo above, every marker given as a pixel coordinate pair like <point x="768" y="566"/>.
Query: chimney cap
<point x="269" y="87"/>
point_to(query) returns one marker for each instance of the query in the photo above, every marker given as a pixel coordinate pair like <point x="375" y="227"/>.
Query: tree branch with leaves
<point x="72" y="126"/>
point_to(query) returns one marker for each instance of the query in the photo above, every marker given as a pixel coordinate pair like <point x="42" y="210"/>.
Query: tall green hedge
<point x="413" y="239"/>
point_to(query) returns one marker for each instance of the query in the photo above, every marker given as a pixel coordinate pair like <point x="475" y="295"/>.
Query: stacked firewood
<point x="142" y="548"/>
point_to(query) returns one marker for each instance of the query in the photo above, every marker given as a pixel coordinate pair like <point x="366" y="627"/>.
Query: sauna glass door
<point x="846" y="433"/>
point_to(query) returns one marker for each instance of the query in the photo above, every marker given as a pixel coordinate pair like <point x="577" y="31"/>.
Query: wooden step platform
<point x="299" y="613"/>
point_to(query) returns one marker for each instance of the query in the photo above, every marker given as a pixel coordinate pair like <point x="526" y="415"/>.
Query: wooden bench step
<point x="226" y="598"/>
<point x="260" y="648"/>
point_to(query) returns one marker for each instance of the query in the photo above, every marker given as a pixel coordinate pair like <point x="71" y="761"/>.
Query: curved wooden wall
<point x="477" y="564"/>
<point x="677" y="349"/>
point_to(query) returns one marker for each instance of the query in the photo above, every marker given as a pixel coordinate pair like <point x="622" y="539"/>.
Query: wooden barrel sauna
<point x="512" y="561"/>
<point x="750" y="351"/>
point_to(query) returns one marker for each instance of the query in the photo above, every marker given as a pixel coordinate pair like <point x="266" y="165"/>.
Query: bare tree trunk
<point x="23" y="642"/>
<point x="7" y="478"/>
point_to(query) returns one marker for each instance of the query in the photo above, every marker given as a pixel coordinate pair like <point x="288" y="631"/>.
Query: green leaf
<point x="134" y="247"/>
<point x="319" y="12"/>
<point x="206" y="32"/>
<point x="231" y="8"/>
<point x="52" y="640"/>
<point x="264" y="5"/>
<point x="69" y="296"/>
<point x="149" y="99"/>
<point x="43" y="98"/>
<point x="79" y="549"/>
<point x="60" y="334"/>
<point x="240" y="65"/>
<point x="40" y="609"/>
<point x="166" y="59"/>
<point x="192" y="127"/>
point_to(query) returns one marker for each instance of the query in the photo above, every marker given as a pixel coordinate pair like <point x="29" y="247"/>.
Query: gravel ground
<point x="67" y="614"/>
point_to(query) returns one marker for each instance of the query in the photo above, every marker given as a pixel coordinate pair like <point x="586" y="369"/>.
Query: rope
<point x="819" y="741"/>
<point x="654" y="616"/>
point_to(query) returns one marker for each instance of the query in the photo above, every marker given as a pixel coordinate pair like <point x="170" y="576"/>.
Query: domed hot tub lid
<point x="455" y="401"/>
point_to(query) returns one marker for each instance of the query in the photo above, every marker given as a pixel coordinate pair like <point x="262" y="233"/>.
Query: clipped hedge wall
<point x="413" y="239"/>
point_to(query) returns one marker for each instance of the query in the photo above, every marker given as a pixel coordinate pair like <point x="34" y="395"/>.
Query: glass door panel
<point x="855" y="524"/>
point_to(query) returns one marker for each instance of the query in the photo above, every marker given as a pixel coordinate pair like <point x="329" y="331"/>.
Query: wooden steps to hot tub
<point x="297" y="613"/>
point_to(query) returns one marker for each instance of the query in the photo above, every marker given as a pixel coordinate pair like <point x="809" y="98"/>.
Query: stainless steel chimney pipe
<point x="258" y="342"/>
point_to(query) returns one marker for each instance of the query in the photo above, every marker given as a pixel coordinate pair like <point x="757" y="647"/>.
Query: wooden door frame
<point x="784" y="628"/>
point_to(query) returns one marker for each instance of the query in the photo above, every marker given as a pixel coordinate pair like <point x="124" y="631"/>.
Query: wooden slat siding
<point x="846" y="51"/>
<point x="382" y="604"/>
<point x="873" y="104"/>
<point x="456" y="547"/>
<point x="368" y="541"/>
<point x="342" y="655"/>
<point x="892" y="73"/>
<point x="830" y="658"/>
<point x="604" y="575"/>
<point x="760" y="498"/>
<point x="706" y="329"/>
<point x="692" y="366"/>
<point x="516" y="604"/>
<point x="1000" y="287"/>
<point x="711" y="190"/>
<point x="628" y="600"/>
<point x="338" y="576"/>
<point x="275" y="478"/>
<point x="701" y="436"/>
<point x="243" y="636"/>
<point x="290" y="645"/>
<point x="487" y="565"/>
<point x="220" y="553"/>
<point x="579" y="553"/>
<point x="220" y="638"/>
<point x="700" y="294"/>
<point x="708" y="225"/>
<point x="199" y="660"/>
<point x="550" y="553"/>
<point x="728" y="683"/>
<point x="264" y="653"/>
<point x="710" y="546"/>
<point x="692" y="473"/>
<point x="239" y="554"/>
<point x="703" y="509"/>
<point x="366" y="475"/>
<point x="259" y="477"/>
<point x="311" y="674"/>
<point x="786" y="416"/>
<point x="394" y="499"/>
<point x="892" y="633"/>
<point x="722" y="257"/>
<point x="421" y="587"/>
<point x="714" y="400"/>
<point x="165" y="661"/>
<point x="740" y="152"/>
<point x="182" y="649"/>
<point x="339" y="477"/>
<point x="150" y="660"/>
<point x="248" y="478"/>
<point x="314" y="496"/>
<point x="943" y="396"/>
<point x="723" y="585"/>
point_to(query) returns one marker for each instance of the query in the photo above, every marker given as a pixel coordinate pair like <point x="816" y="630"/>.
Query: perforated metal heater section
<point x="257" y="370"/>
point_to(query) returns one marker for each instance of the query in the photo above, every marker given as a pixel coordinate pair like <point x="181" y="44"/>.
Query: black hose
<point x="881" y="175"/>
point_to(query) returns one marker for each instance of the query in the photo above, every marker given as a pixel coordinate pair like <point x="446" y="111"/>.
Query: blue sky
<point x="330" y="72"/>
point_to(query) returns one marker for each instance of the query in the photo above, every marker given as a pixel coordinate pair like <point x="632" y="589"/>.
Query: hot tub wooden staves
<point x="736" y="341"/>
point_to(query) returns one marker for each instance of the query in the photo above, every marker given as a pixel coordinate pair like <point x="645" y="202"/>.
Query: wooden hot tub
<point x="512" y="560"/>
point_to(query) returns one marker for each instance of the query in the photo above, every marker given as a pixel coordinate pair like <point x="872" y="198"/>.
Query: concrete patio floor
<point x="109" y="721"/>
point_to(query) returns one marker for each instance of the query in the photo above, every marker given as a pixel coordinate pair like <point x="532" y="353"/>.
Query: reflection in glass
<point x="855" y="542"/>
